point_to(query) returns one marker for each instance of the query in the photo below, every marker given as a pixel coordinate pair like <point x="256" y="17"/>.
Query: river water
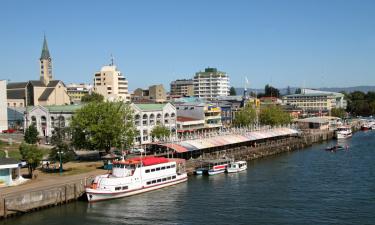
<point x="310" y="186"/>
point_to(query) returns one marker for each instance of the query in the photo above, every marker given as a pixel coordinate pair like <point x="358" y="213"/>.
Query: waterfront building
<point x="3" y="106"/>
<point x="316" y="102"/>
<point x="188" y="124"/>
<point x="211" y="83"/>
<point x="45" y="91"/>
<point x="77" y="91"/>
<point x="111" y="83"/>
<point x="210" y="113"/>
<point x="147" y="116"/>
<point x="154" y="93"/>
<point x="184" y="87"/>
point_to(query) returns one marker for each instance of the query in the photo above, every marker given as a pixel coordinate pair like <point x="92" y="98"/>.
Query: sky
<point x="328" y="43"/>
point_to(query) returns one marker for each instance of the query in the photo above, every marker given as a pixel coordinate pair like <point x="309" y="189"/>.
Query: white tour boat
<point x="343" y="132"/>
<point x="135" y="176"/>
<point x="217" y="166"/>
<point x="237" y="166"/>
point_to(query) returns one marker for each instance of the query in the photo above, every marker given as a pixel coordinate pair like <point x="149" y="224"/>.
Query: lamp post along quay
<point x="60" y="152"/>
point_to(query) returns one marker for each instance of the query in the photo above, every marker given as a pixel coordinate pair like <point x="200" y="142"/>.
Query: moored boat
<point x="135" y="176"/>
<point x="237" y="166"/>
<point x="343" y="132"/>
<point x="217" y="166"/>
<point x="365" y="127"/>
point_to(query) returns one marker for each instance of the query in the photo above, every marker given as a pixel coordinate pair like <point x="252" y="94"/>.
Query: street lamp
<point x="60" y="152"/>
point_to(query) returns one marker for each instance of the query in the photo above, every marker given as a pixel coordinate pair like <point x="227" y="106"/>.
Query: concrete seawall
<point x="45" y="196"/>
<point x="42" y="197"/>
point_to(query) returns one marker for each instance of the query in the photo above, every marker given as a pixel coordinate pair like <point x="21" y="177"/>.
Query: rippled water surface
<point x="310" y="186"/>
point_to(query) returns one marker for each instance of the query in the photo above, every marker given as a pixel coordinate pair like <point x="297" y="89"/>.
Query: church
<point x="45" y="91"/>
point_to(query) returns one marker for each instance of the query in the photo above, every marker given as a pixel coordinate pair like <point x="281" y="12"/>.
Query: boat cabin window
<point x="173" y="177"/>
<point x="147" y="171"/>
<point x="117" y="188"/>
<point x="157" y="169"/>
<point x="154" y="181"/>
<point x="152" y="170"/>
<point x="124" y="187"/>
<point x="164" y="179"/>
<point x="122" y="166"/>
<point x="168" y="167"/>
<point x="159" y="180"/>
<point x="148" y="182"/>
<point x="162" y="168"/>
<point x="173" y="166"/>
<point x="168" y="178"/>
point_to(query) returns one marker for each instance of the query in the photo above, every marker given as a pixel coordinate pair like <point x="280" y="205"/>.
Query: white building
<point x="3" y="106"/>
<point x="147" y="116"/>
<point x="314" y="100"/>
<point x="211" y="84"/>
<point x="110" y="83"/>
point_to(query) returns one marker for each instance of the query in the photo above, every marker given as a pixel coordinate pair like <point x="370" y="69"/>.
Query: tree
<point x="160" y="131"/>
<point x="93" y="97"/>
<point x="102" y="125"/>
<point x="338" y="112"/>
<point x="246" y="116"/>
<point x="232" y="91"/>
<point x="31" y="134"/>
<point x="32" y="154"/>
<point x="274" y="115"/>
<point x="61" y="146"/>
<point x="270" y="91"/>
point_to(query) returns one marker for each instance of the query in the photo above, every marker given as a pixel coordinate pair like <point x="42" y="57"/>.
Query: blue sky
<point x="312" y="43"/>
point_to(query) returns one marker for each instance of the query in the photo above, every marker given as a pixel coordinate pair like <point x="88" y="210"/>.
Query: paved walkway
<point x="48" y="180"/>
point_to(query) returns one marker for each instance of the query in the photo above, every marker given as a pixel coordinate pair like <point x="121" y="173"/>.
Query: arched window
<point x="173" y="115"/>
<point x="166" y="115"/>
<point x="144" y="119"/>
<point x="137" y="119"/>
<point x="152" y="119"/>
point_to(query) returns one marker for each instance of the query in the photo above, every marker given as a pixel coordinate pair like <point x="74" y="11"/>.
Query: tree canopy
<point x="270" y="91"/>
<point x="102" y="125"/>
<point x="93" y="97"/>
<point x="360" y="103"/>
<point x="338" y="112"/>
<point x="32" y="154"/>
<point x="232" y="91"/>
<point x="274" y="115"/>
<point x="31" y="134"/>
<point x="160" y="131"/>
<point x="60" y="146"/>
<point x="246" y="116"/>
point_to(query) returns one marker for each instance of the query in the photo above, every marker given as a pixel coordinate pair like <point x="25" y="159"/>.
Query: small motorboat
<point x="237" y="166"/>
<point x="334" y="148"/>
<point x="201" y="171"/>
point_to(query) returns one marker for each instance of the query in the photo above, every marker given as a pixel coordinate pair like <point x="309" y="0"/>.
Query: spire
<point x="45" y="51"/>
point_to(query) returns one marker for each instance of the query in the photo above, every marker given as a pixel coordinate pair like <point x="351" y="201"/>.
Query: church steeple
<point x="45" y="64"/>
<point x="45" y="51"/>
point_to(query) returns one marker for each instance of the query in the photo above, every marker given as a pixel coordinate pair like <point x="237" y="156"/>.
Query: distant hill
<point x="283" y="91"/>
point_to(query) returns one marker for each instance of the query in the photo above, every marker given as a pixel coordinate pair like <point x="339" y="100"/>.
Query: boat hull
<point x="343" y="136"/>
<point x="214" y="172"/>
<point x="94" y="195"/>
<point x="236" y="170"/>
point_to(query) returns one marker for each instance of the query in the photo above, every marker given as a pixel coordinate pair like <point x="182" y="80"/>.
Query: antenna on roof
<point x="112" y="60"/>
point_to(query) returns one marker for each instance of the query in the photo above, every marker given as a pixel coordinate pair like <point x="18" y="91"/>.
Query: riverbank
<point x="15" y="200"/>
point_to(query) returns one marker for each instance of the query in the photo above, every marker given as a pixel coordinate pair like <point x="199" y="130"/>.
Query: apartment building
<point x="184" y="87"/>
<point x="210" y="84"/>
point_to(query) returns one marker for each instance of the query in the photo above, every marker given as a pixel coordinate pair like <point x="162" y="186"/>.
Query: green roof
<point x="59" y="108"/>
<point x="150" y="107"/>
<point x="45" y="51"/>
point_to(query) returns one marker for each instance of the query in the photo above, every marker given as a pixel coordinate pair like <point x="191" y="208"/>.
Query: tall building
<point x="3" y="106"/>
<point x="183" y="87"/>
<point x="211" y="84"/>
<point x="110" y="83"/>
<point x="45" y="91"/>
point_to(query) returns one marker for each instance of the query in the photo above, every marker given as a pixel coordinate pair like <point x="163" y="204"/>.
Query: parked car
<point x="9" y="131"/>
<point x="137" y="150"/>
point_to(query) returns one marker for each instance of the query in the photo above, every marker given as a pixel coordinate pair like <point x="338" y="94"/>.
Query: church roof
<point x="46" y="93"/>
<point x="37" y="83"/>
<point x="45" y="51"/>
<point x="16" y="94"/>
<point x="53" y="83"/>
<point x="16" y="85"/>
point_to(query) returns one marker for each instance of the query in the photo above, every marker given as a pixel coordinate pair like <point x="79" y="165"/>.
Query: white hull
<point x="214" y="172"/>
<point x="94" y="195"/>
<point x="343" y="136"/>
<point x="236" y="170"/>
